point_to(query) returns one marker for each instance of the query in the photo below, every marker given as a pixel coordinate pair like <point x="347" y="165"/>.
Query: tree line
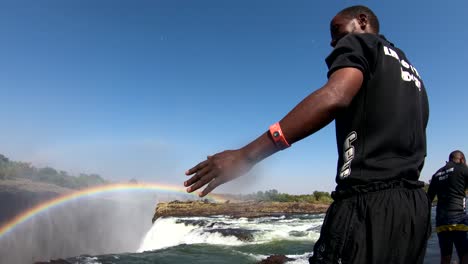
<point x="10" y="170"/>
<point x="275" y="196"/>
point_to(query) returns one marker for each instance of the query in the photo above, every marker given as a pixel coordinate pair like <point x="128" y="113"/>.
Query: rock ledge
<point x="241" y="209"/>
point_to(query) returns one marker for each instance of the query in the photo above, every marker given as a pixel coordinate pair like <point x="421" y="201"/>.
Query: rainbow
<point x="33" y="211"/>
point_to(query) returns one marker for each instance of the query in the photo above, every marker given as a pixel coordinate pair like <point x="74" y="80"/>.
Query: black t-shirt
<point x="381" y="136"/>
<point x="449" y="184"/>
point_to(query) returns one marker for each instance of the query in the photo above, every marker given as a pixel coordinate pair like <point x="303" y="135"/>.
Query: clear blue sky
<point x="146" y="89"/>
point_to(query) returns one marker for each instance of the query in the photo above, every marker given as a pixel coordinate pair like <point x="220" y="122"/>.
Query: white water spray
<point x="173" y="231"/>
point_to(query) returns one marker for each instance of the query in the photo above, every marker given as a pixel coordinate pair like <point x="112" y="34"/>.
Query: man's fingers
<point x="198" y="167"/>
<point x="213" y="184"/>
<point x="197" y="176"/>
<point x="202" y="181"/>
<point x="192" y="180"/>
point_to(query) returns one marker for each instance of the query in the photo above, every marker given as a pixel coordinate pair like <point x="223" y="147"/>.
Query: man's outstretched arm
<point x="431" y="191"/>
<point x="310" y="115"/>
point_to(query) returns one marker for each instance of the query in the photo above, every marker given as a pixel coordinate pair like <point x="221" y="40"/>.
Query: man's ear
<point x="363" y="21"/>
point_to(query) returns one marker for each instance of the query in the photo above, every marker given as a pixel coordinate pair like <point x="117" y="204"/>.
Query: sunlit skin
<point x="341" y="26"/>
<point x="313" y="113"/>
<point x="459" y="159"/>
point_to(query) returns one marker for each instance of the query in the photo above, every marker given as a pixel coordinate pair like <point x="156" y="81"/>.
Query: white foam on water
<point x="167" y="232"/>
<point x="199" y="237"/>
<point x="173" y="231"/>
<point x="282" y="230"/>
<point x="299" y="259"/>
<point x="164" y="233"/>
<point x="257" y="257"/>
<point x="91" y="260"/>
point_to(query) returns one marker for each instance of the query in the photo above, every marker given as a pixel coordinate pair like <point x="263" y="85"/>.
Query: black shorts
<point x="379" y="225"/>
<point x="448" y="238"/>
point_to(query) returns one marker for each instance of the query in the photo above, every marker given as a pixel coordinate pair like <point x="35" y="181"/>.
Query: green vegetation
<point x="10" y="170"/>
<point x="275" y="196"/>
<point x="426" y="187"/>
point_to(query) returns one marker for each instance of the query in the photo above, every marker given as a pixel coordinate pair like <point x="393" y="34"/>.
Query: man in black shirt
<point x="449" y="184"/>
<point x="380" y="213"/>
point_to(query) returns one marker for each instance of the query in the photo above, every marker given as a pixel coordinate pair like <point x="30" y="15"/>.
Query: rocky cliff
<point x="241" y="209"/>
<point x="19" y="195"/>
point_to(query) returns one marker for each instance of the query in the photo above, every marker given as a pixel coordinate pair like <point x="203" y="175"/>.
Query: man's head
<point x="354" y="19"/>
<point x="457" y="157"/>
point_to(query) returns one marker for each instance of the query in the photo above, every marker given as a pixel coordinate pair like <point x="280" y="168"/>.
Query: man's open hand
<point x="216" y="170"/>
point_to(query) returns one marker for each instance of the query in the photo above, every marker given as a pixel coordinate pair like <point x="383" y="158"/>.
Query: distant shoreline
<point x="237" y="210"/>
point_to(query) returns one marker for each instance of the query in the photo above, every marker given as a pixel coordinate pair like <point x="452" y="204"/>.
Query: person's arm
<point x="431" y="191"/>
<point x="313" y="113"/>
<point x="465" y="174"/>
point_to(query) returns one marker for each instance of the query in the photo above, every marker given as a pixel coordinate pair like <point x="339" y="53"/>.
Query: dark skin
<point x="313" y="113"/>
<point x="459" y="159"/>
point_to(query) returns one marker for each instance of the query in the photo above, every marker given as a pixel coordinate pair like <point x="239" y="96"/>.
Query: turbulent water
<point x="223" y="239"/>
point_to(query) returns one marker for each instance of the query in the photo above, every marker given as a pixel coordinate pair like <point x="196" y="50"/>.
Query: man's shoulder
<point x="443" y="170"/>
<point x="367" y="39"/>
<point x="451" y="167"/>
<point x="461" y="168"/>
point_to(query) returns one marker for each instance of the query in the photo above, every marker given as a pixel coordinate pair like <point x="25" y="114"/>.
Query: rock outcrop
<point x="241" y="209"/>
<point x="241" y="234"/>
<point x="275" y="259"/>
<point x="54" y="261"/>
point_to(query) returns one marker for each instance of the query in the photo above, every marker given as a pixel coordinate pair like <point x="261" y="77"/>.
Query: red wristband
<point x="278" y="136"/>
